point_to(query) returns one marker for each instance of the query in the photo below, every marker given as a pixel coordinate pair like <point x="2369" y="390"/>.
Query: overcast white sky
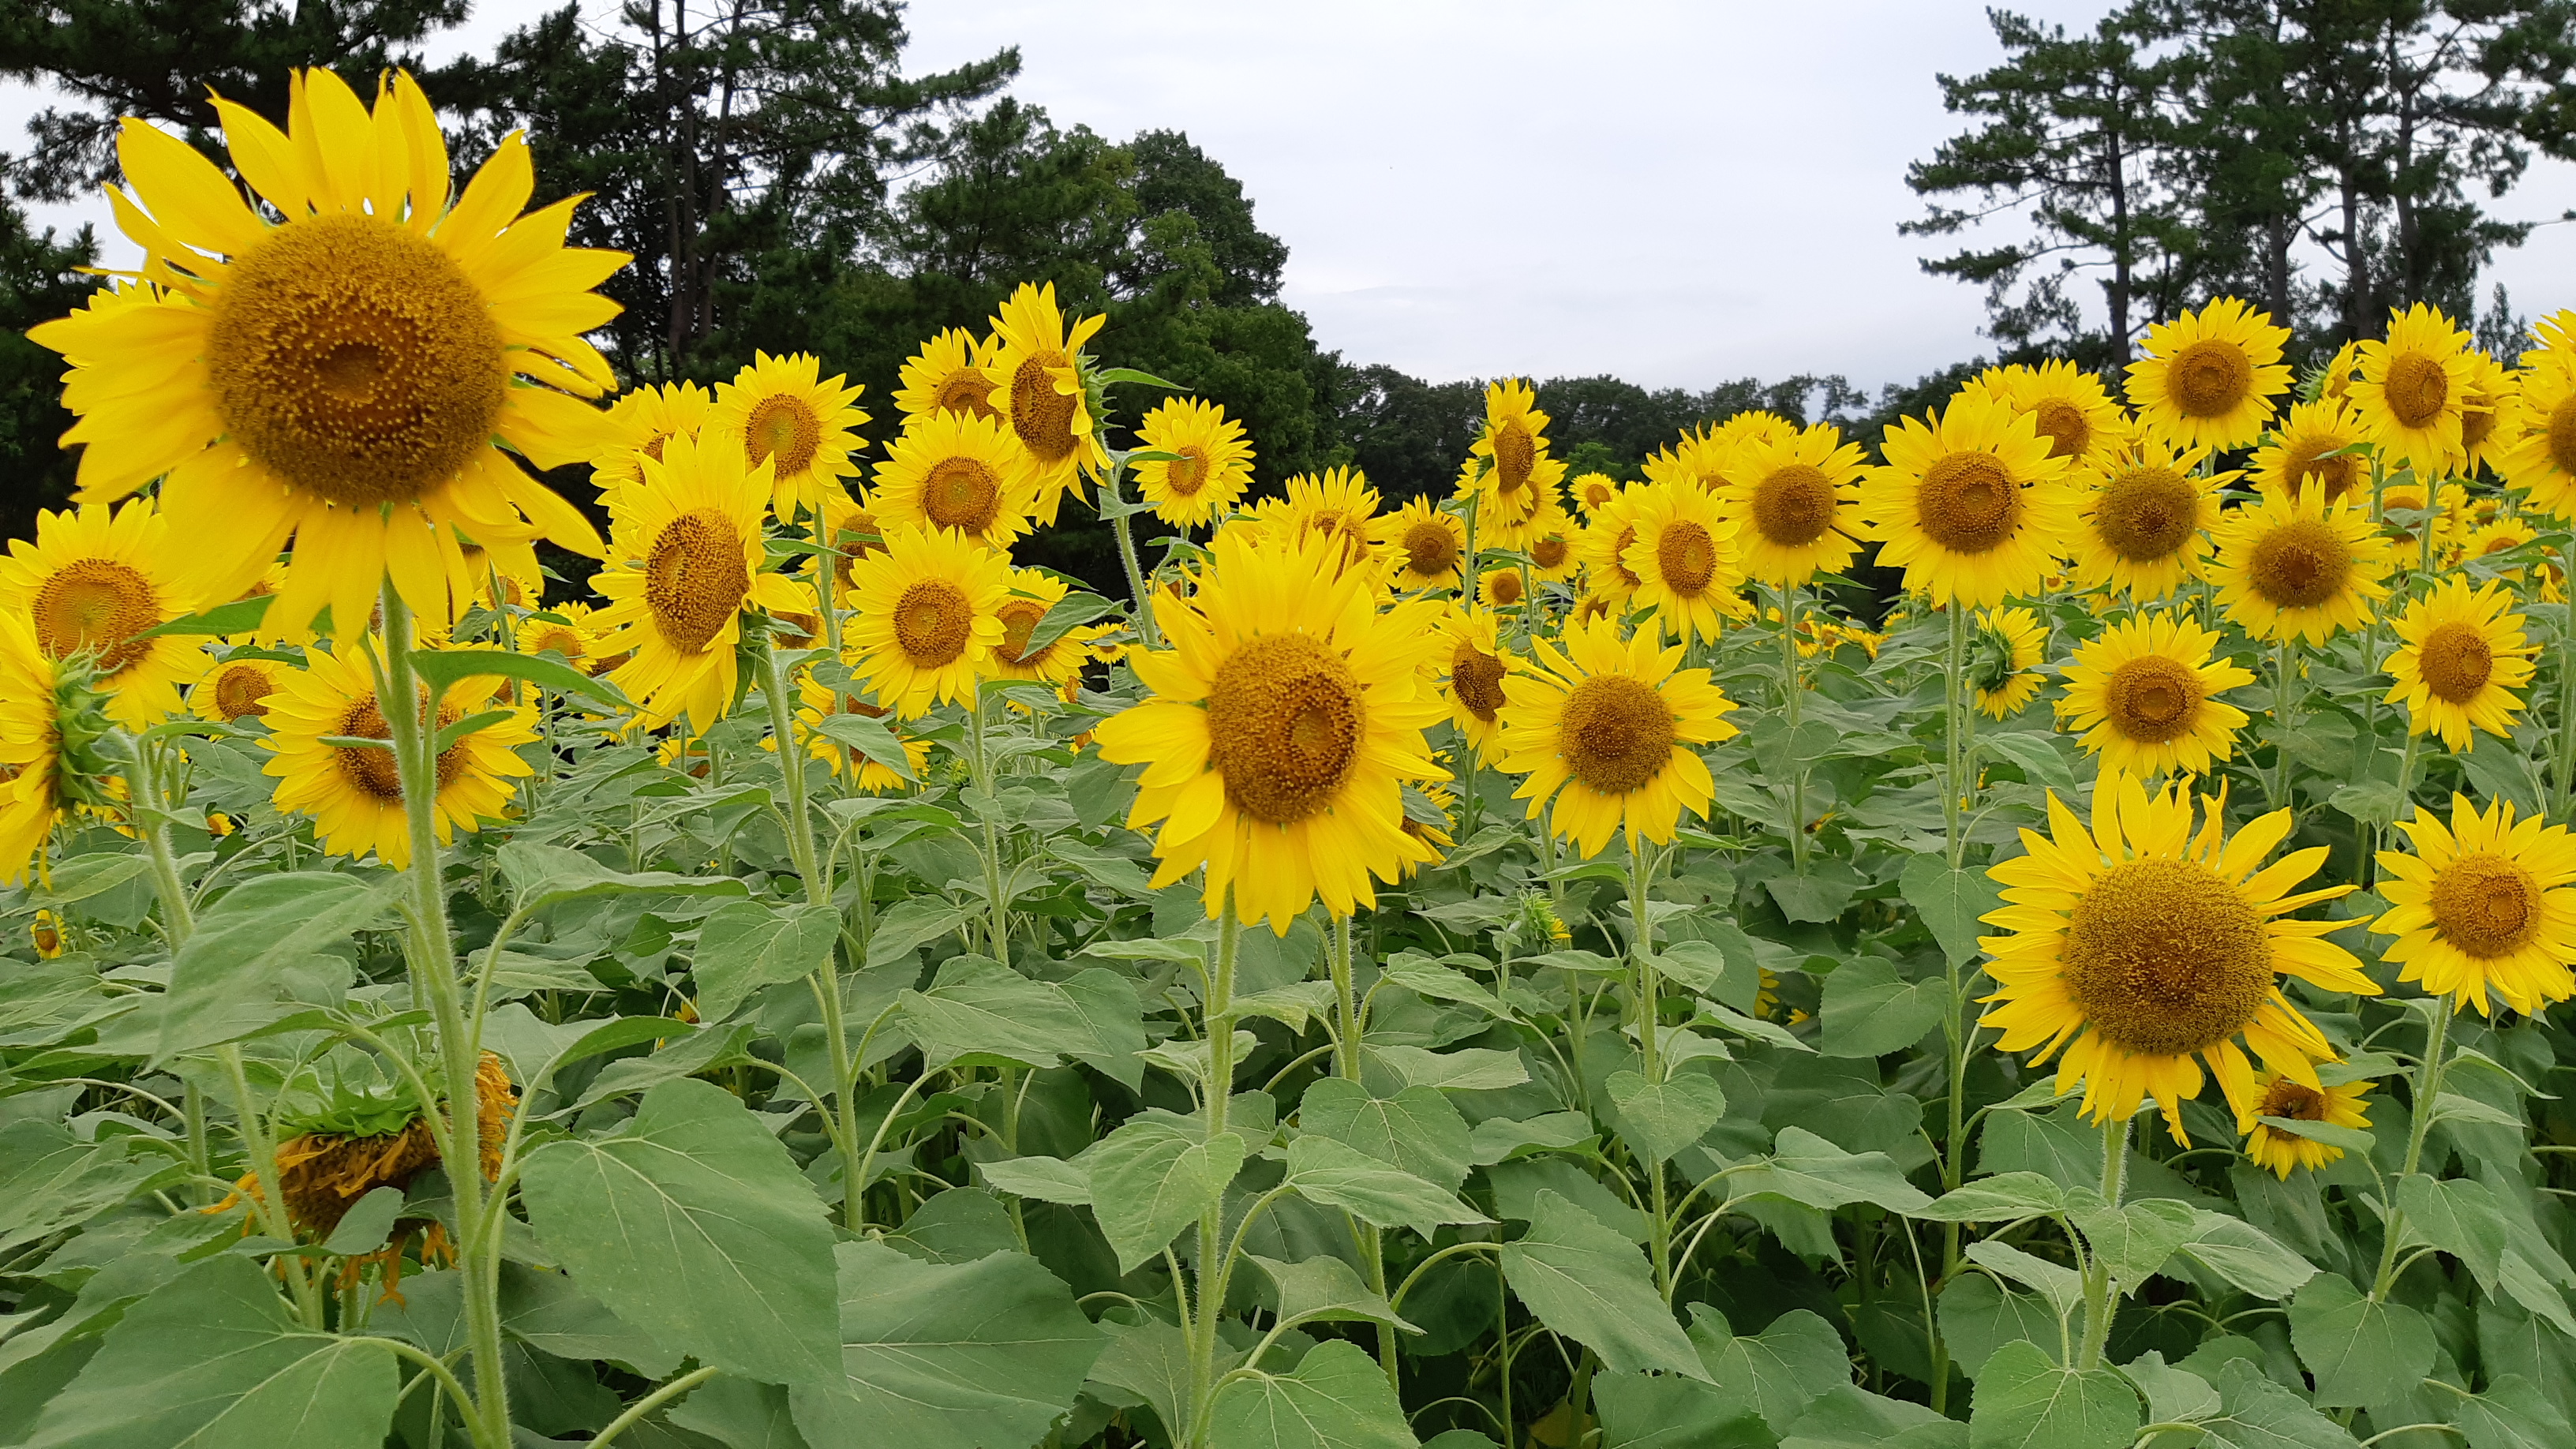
<point x="1675" y="193"/>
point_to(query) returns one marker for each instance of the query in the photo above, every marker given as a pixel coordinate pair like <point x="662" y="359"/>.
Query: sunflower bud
<point x="1535" y="924"/>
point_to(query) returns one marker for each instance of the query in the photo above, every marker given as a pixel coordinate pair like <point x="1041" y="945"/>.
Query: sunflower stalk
<point x="178" y="922"/>
<point x="1643" y="859"/>
<point x="1790" y="689"/>
<point x="1346" y="1064"/>
<point x="998" y="928"/>
<point x="1115" y="497"/>
<point x="2428" y="1090"/>
<point x="2099" y="1298"/>
<point x="1217" y="1015"/>
<point x="1954" y="709"/>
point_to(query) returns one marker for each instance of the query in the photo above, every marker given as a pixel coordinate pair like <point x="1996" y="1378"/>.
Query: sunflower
<point x="1970" y="503"/>
<point x="642" y="422"/>
<point x="1593" y="491"/>
<point x="849" y="525"/>
<point x="2145" y="696"/>
<point x="816" y="702"/>
<point x="1551" y="544"/>
<point x="2318" y="445"/>
<point x="354" y="793"/>
<point x="1283" y="725"/>
<point x="780" y="411"/>
<point x="1500" y="588"/>
<point x="238" y="685"/>
<point x="2537" y="454"/>
<point x="2209" y="377"/>
<point x="2410" y="393"/>
<point x="959" y="472"/>
<point x="91" y="582"/>
<point x="1700" y="459"/>
<point x="32" y="774"/>
<point x="2459" y="659"/>
<point x="1033" y="593"/>
<point x="2003" y="663"/>
<point x="2334" y="382"/>
<point x="1604" y="546"/>
<point x="927" y="617"/>
<point x="505" y="575"/>
<point x="2279" y="1096"/>
<point x="348" y="376"/>
<point x="1521" y="478"/>
<point x="1215" y="462"/>
<point x="2482" y="907"/>
<point x="1337" y="507"/>
<point x="2504" y="535"/>
<point x="1604" y="727"/>
<point x="324" y="1168"/>
<point x="1794" y="501"/>
<point x="2136" y="946"/>
<point x="1425" y="546"/>
<point x="570" y="634"/>
<point x="1685" y="561"/>
<point x="2146" y="520"/>
<point x="1474" y="666"/>
<point x="953" y="372"/>
<point x="2072" y="410"/>
<point x="2298" y="567"/>
<point x="1437" y="833"/>
<point x="1038" y="370"/>
<point x="2484" y="408"/>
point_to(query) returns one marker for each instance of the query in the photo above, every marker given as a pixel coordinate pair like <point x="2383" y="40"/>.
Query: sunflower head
<point x="2146" y="519"/>
<point x="952" y="373"/>
<point x="1338" y="509"/>
<point x="2276" y="1096"/>
<point x="928" y="616"/>
<point x="2536" y="452"/>
<point x="2460" y="657"/>
<point x="1041" y="385"/>
<point x="782" y="415"/>
<point x="2209" y="377"/>
<point x="1970" y="502"/>
<point x="2299" y="566"/>
<point x="93" y="583"/>
<point x="1793" y="501"/>
<point x="1425" y="547"/>
<point x="2481" y="908"/>
<point x="2413" y="389"/>
<point x="642" y="422"/>
<point x="1606" y="730"/>
<point x="954" y="470"/>
<point x="1211" y="469"/>
<point x="2070" y="408"/>
<point x="2003" y="660"/>
<point x="1685" y="559"/>
<point x="2145" y="696"/>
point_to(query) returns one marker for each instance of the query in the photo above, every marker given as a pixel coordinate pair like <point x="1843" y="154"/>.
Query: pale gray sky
<point x="1675" y="193"/>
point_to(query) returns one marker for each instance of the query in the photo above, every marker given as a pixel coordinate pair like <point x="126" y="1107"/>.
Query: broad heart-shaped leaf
<point x="1337" y="1174"/>
<point x="1048" y="1179"/>
<point x="1870" y="1011"/>
<point x="910" y="925"/>
<point x="693" y="1224"/>
<point x="2025" y="1401"/>
<point x="2244" y="1255"/>
<point x="2459" y="1217"/>
<point x="1664" y="1117"/>
<point x="227" y="980"/>
<point x="1997" y="1199"/>
<point x="2355" y="1348"/>
<point x="1324" y="1288"/>
<point x="1949" y="901"/>
<point x="440" y="668"/>
<point x="1416" y="1129"/>
<point x="872" y="739"/>
<point x="2134" y="1239"/>
<point x="2062" y="1286"/>
<point x="1979" y="1315"/>
<point x="1806" y="1168"/>
<point x="1153" y="1177"/>
<point x="750" y="944"/>
<point x="2513" y="1414"/>
<point x="1778" y="1372"/>
<point x="1595" y="1287"/>
<point x="982" y="1013"/>
<point x="2260" y="1414"/>
<point x="1658" y="1411"/>
<point x="978" y="1355"/>
<point x="1337" y="1398"/>
<point x="51" y="1180"/>
<point x="545" y="875"/>
<point x="213" y="1360"/>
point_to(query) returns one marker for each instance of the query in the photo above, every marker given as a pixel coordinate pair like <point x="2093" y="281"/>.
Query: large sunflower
<point x="1501" y="588"/>
<point x="1215" y="462"/>
<point x="2299" y="567"/>
<point x="91" y="582"/>
<point x="2278" y="1096"/>
<point x="2135" y="946"/>
<point x="31" y="744"/>
<point x="1605" y="728"/>
<point x="928" y="615"/>
<point x="1426" y="547"/>
<point x="782" y="411"/>
<point x="961" y="472"/>
<point x="1475" y="666"/>
<point x="2209" y="376"/>
<point x="354" y="793"/>
<point x="2146" y="521"/>
<point x="644" y="420"/>
<point x="816" y="702"/>
<point x="1685" y="561"/>
<point x="2459" y="661"/>
<point x="2482" y="907"/>
<point x="1283" y="725"/>
<point x="1038" y="387"/>
<point x="2537" y="454"/>
<point x="1034" y="592"/>
<point x="2071" y="409"/>
<point x="2411" y="391"/>
<point x="1795" y="502"/>
<point x="349" y="375"/>
<point x="2317" y="446"/>
<point x="1970" y="503"/>
<point x="953" y="372"/>
<point x="2003" y="663"/>
<point x="1337" y="507"/>
<point x="1522" y="478"/>
<point x="2145" y="696"/>
<point x="687" y="555"/>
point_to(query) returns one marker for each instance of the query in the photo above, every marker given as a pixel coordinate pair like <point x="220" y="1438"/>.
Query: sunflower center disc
<point x="1549" y="552"/>
<point x="2208" y="379"/>
<point x="967" y="390"/>
<point x="2294" y="1100"/>
<point x="2334" y="476"/>
<point x="1019" y="620"/>
<point x="961" y="493"/>
<point x="1687" y="558"/>
<point x="932" y="622"/>
<point x="560" y="638"/>
<point x="1515" y="457"/>
<point x="1794" y="506"/>
<point x="2068" y="431"/>
<point x="1617" y="735"/>
<point x="694" y="579"/>
<point x="1041" y="416"/>
<point x="2416" y="390"/>
<point x="2145" y="514"/>
<point x="2299" y="565"/>
<point x="96" y="603"/>
<point x="784" y="431"/>
<point x="2153" y="699"/>
<point x="2562" y="434"/>
<point x="1619" y="556"/>
<point x="2164" y="957"/>
<point x="2477" y="420"/>
<point x="2485" y="904"/>
<point x="243" y="690"/>
<point x="848" y="550"/>
<point x="1506" y="588"/>
<point x="1187" y="476"/>
<point x="1285" y="719"/>
<point x="2455" y="662"/>
<point x="373" y="770"/>
<point x="355" y="360"/>
<point x="1597" y="493"/>
<point x="1968" y="503"/>
<point x="1476" y="677"/>
<point x="1429" y="550"/>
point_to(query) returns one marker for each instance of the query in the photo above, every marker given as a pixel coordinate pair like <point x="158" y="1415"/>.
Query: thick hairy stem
<point x="2428" y="1090"/>
<point x="998" y="928"/>
<point x="1112" y="495"/>
<point x="143" y="786"/>
<point x="1954" y="709"/>
<point x="1790" y="692"/>
<point x="1218" y="1018"/>
<point x="1642" y="861"/>
<point x="2099" y="1300"/>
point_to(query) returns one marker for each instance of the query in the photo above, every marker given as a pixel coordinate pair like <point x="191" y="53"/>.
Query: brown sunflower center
<point x="1616" y="734"/>
<point x="961" y="493"/>
<point x="2152" y="699"/>
<point x="1184" y="477"/>
<point x="1504" y="585"/>
<point x="2299" y="565"/>
<point x="967" y="390"/>
<point x="372" y="770"/>
<point x="1476" y="677"/>
<point x="354" y="359"/>
<point x="1040" y="415"/>
<point x="1019" y="620"/>
<point x="2562" y="434"/>
<point x="2165" y="957"/>
<point x="2209" y="378"/>
<point x="98" y="604"/>
<point x="1619" y="556"/>
<point x="2068" y="431"/>
<point x="1285" y="720"/>
<point x="1549" y="552"/>
<point x="2486" y="905"/>
<point x="2295" y="1100"/>
<point x="785" y="431"/>
<point x="1598" y="492"/>
<point x="933" y="622"/>
<point x="1430" y="550"/>
<point x="2145" y="513"/>
<point x="1515" y="456"/>
<point x="2334" y="475"/>
<point x="242" y="690"/>
<point x="2417" y="388"/>
<point x="1687" y="558"/>
<point x="2477" y="420"/>
<point x="1794" y="505"/>
<point x="2455" y="662"/>
<point x="1968" y="503"/>
<point x="653" y="446"/>
<point x="694" y="578"/>
<point x="562" y="639"/>
<point x="848" y="549"/>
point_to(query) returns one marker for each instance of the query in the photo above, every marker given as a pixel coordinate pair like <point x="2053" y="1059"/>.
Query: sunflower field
<point x="1557" y="967"/>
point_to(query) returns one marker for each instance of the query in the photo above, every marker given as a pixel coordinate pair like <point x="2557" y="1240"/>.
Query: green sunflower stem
<point x="1790" y="690"/>
<point x="149" y="820"/>
<point x="2284" y="699"/>
<point x="409" y="717"/>
<point x="1217" y="1013"/>
<point x="1346" y="1064"/>
<point x="1954" y="707"/>
<point x="2099" y="1300"/>
<point x="998" y="928"/>
<point x="1116" y="499"/>
<point x="2428" y="1090"/>
<point x="1643" y="859"/>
